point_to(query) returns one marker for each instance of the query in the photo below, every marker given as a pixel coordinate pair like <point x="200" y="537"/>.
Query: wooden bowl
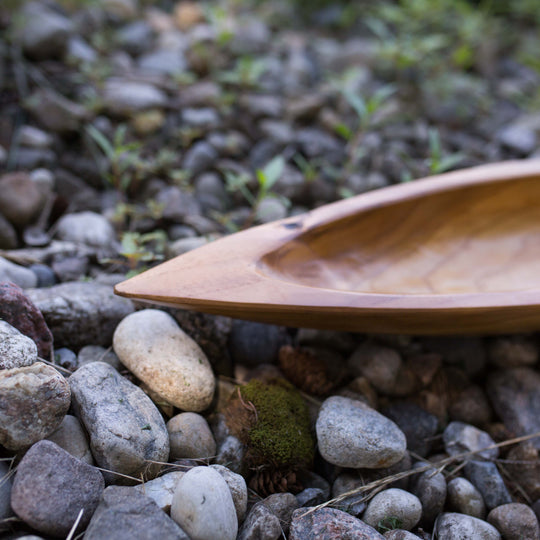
<point x="454" y="253"/>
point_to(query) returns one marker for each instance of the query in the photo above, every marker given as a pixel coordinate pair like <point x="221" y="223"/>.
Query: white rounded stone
<point x="86" y="228"/>
<point x="203" y="506"/>
<point x="155" y="349"/>
<point x="238" y="488"/>
<point x="395" y="503"/>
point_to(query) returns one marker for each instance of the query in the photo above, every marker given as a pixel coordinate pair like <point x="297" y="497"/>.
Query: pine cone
<point x="304" y="370"/>
<point x="266" y="481"/>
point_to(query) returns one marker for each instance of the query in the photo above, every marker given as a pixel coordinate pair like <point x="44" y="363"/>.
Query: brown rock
<point x="33" y="403"/>
<point x="20" y="198"/>
<point x="515" y="521"/>
<point x="20" y="312"/>
<point x="187" y="14"/>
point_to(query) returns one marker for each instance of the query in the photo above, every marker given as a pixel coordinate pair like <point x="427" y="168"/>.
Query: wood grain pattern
<point x="456" y="253"/>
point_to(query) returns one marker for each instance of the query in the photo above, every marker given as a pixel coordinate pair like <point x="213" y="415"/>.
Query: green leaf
<point x="102" y="141"/>
<point x="271" y="173"/>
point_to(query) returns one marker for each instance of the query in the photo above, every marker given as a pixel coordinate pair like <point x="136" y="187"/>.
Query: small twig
<point x="119" y="474"/>
<point x="56" y="366"/>
<point x="75" y="525"/>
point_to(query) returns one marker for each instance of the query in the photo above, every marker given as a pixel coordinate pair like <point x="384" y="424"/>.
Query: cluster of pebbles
<point x="113" y="415"/>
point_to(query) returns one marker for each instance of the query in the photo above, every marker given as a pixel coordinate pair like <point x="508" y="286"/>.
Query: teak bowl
<point x="454" y="253"/>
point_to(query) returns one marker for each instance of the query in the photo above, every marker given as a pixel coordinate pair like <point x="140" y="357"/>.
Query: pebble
<point x="238" y="488"/>
<point x="160" y="353"/>
<point x="515" y="521"/>
<point x="393" y="503"/>
<point x="33" y="137"/>
<point x="124" y="98"/>
<point x="183" y="245"/>
<point x="311" y="496"/>
<point x="513" y="351"/>
<point x="330" y="524"/>
<point x="203" y="506"/>
<point x="400" y="534"/>
<point x="125" y="428"/>
<point x="190" y="437"/>
<point x="45" y="275"/>
<point x="95" y="353"/>
<point x="515" y="396"/>
<point x="81" y="314"/>
<point x="71" y="437"/>
<point x="161" y="489"/>
<point x="524" y="467"/>
<point x="177" y="203"/>
<point x="135" y="37"/>
<point x="163" y="62"/>
<point x="282" y="505"/>
<point x="6" y="481"/>
<point x="485" y="476"/>
<point x="125" y="514"/>
<point x="8" y="235"/>
<point x="16" y="350"/>
<point x="200" y="157"/>
<point x="471" y="406"/>
<point x="252" y="343"/>
<point x="518" y="138"/>
<point x="20" y="198"/>
<point x="352" y="434"/>
<point x="451" y="526"/>
<point x="460" y="438"/>
<point x="86" y="228"/>
<point x="33" y="402"/>
<point x="430" y="488"/>
<point x="270" y="209"/>
<point x="51" y="487"/>
<point x="464" y="498"/>
<point x="19" y="275"/>
<point x="260" y="524"/>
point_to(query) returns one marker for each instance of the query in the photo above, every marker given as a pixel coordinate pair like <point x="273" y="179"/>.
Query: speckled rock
<point x="203" y="506"/>
<point x="81" y="314"/>
<point x="430" y="488"/>
<point x="515" y="521"/>
<point x="238" y="488"/>
<point x="464" y="498"/>
<point x="329" y="524"/>
<point x="126" y="429"/>
<point x="17" y="274"/>
<point x="485" y="476"/>
<point x="157" y="351"/>
<point x="161" y="489"/>
<point x="33" y="402"/>
<point x="351" y="434"/>
<point x="71" y="437"/>
<point x="451" y="526"/>
<point x="282" y="505"/>
<point x="397" y="503"/>
<point x="260" y="524"/>
<point x="86" y="228"/>
<point x="459" y="438"/>
<point x="16" y="350"/>
<point x="51" y="487"/>
<point x="125" y="514"/>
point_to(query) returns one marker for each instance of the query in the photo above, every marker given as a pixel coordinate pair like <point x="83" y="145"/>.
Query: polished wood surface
<point x="455" y="253"/>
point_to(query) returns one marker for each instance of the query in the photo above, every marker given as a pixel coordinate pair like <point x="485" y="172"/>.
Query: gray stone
<point x="177" y="204"/>
<point x="400" y="534"/>
<point x="250" y="36"/>
<point x="260" y="105"/>
<point x="135" y="37"/>
<point x="6" y="481"/>
<point x="238" y="488"/>
<point x="44" y="33"/>
<point x="126" y="429"/>
<point x="78" y="51"/>
<point x="161" y="489"/>
<point x="33" y="137"/>
<point x="464" y="498"/>
<point x="453" y="526"/>
<point x="471" y="406"/>
<point x="183" y="245"/>
<point x="211" y="192"/>
<point x="460" y="438"/>
<point x="330" y="524"/>
<point x="45" y="275"/>
<point x="71" y="437"/>
<point x="190" y="437"/>
<point x="33" y="402"/>
<point x="513" y="351"/>
<point x="515" y="396"/>
<point x="519" y="138"/>
<point x="352" y="434"/>
<point x="260" y="524"/>
<point x="200" y="157"/>
<point x="95" y="353"/>
<point x="315" y="143"/>
<point x="80" y="314"/>
<point x="163" y="61"/>
<point x="203" y="506"/>
<point x="485" y="476"/>
<point x="230" y="144"/>
<point x="16" y="350"/>
<point x="153" y="347"/>
<point x="515" y="521"/>
<point x="345" y="482"/>
<point x="17" y="274"/>
<point x="86" y="228"/>
<point x="393" y="503"/>
<point x="430" y="488"/>
<point x="51" y="487"/>
<point x="270" y="209"/>
<point x="124" y="97"/>
<point x="204" y="119"/>
<point x="125" y="514"/>
<point x="282" y="505"/>
<point x="8" y="235"/>
<point x="311" y="496"/>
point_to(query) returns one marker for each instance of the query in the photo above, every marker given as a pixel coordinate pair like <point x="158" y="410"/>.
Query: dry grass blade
<point x="374" y="487"/>
<point x="75" y="525"/>
<point x="55" y="366"/>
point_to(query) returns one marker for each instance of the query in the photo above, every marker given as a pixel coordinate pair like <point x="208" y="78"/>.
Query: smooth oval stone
<point x="17" y="274"/>
<point x="51" y="487"/>
<point x="352" y="434"/>
<point x="394" y="503"/>
<point x="238" y="488"/>
<point x="16" y="350"/>
<point x="125" y="427"/>
<point x="154" y="348"/>
<point x="85" y="228"/>
<point x="450" y="526"/>
<point x="190" y="437"/>
<point x="70" y="436"/>
<point x="465" y="498"/>
<point x="33" y="402"/>
<point x="161" y="489"/>
<point x="203" y="506"/>
<point x="515" y="521"/>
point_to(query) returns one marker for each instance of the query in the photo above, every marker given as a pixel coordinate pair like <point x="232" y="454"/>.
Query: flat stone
<point x="86" y="228"/>
<point x="124" y="98"/>
<point x="203" y="506"/>
<point x="51" y="487"/>
<point x="16" y="350"/>
<point x="161" y="489"/>
<point x="125" y="428"/>
<point x="485" y="476"/>
<point x="464" y="498"/>
<point x="125" y="514"/>
<point x="81" y="314"/>
<point x="152" y="346"/>
<point x="190" y="437"/>
<point x="451" y="526"/>
<point x="330" y="524"/>
<point x="33" y="402"/>
<point x="515" y="521"/>
<point x="352" y="434"/>
<point x="459" y="437"/>
<point x="70" y="436"/>
<point x="515" y="396"/>
<point x="396" y="503"/>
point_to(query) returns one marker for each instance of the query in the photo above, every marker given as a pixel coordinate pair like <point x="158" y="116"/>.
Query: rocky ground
<point x="131" y="132"/>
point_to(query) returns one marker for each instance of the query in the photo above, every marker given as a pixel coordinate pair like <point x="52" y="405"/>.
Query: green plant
<point x="246" y="72"/>
<point x="437" y="162"/>
<point x="140" y="248"/>
<point x="389" y="523"/>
